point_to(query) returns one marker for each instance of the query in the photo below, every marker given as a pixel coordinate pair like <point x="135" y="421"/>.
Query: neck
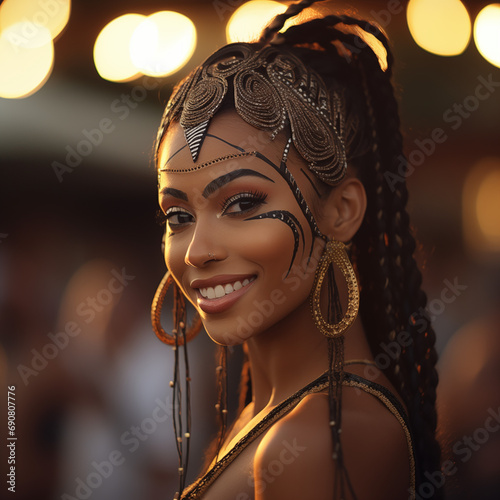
<point x="292" y="353"/>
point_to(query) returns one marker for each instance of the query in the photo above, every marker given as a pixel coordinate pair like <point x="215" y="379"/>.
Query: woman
<point x="274" y="166"/>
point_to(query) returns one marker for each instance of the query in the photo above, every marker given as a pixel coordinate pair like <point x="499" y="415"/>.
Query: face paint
<point x="291" y="221"/>
<point x="255" y="263"/>
<point x="210" y="162"/>
<point x="311" y="182"/>
<point x="195" y="137"/>
<point x="282" y="170"/>
<point x="288" y="177"/>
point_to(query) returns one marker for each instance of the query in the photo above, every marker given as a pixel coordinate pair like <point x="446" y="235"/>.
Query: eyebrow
<point x="176" y="193"/>
<point x="216" y="184"/>
<point x="230" y="176"/>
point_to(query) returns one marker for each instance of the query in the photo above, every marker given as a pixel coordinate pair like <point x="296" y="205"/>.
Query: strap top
<point x="384" y="395"/>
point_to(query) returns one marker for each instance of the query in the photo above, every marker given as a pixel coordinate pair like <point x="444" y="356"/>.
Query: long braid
<point x="278" y="22"/>
<point x="419" y="379"/>
<point x="383" y="248"/>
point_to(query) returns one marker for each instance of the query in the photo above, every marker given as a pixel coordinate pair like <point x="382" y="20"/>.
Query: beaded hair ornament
<point x="272" y="88"/>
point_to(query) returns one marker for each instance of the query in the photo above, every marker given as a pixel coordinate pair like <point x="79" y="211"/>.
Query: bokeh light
<point x="488" y="206"/>
<point x="487" y="33"/>
<point x="441" y="27"/>
<point x="112" y="49"/>
<point x="481" y="206"/>
<point x="30" y="15"/>
<point x="250" y="19"/>
<point x="24" y="70"/>
<point x="163" y="43"/>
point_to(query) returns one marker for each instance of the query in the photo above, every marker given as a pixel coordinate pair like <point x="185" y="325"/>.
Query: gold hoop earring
<point x="335" y="253"/>
<point x="179" y="312"/>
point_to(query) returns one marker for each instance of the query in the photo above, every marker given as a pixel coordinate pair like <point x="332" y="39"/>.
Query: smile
<point x="218" y="294"/>
<point x="222" y="290"/>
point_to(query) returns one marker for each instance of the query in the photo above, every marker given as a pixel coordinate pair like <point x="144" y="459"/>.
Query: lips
<point x="219" y="293"/>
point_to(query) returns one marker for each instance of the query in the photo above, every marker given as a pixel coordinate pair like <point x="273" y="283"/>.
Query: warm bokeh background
<point x="62" y="239"/>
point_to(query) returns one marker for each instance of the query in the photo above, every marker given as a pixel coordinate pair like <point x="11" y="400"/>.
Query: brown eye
<point x="178" y="217"/>
<point x="242" y="203"/>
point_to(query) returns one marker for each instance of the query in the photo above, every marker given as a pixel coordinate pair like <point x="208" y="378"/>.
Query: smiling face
<point x="239" y="239"/>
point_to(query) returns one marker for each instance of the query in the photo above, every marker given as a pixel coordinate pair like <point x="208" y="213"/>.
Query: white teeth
<point x="221" y="290"/>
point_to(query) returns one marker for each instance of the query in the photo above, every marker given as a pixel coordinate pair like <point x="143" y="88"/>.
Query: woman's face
<point x="237" y="242"/>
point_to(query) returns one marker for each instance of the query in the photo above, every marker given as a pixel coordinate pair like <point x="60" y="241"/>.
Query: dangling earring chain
<point x="180" y="336"/>
<point x="221" y="406"/>
<point x="335" y="253"/>
<point x="182" y="438"/>
<point x="333" y="328"/>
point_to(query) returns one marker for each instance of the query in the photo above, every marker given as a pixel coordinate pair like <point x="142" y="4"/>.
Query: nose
<point x="205" y="246"/>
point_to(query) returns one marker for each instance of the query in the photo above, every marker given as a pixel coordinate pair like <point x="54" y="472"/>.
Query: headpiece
<point x="272" y="89"/>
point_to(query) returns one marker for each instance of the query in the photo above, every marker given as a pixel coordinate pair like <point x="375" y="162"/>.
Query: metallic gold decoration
<point x="335" y="253"/>
<point x="156" y="306"/>
<point x="207" y="163"/>
<point x="272" y="89"/>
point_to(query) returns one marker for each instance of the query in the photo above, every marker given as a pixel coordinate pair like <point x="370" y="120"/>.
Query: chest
<point x="237" y="481"/>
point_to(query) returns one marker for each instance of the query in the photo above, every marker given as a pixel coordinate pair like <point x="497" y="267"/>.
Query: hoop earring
<point x="333" y="329"/>
<point x="179" y="312"/>
<point x="181" y="406"/>
<point x="335" y="253"/>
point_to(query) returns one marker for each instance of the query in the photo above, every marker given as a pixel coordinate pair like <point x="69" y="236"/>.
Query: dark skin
<point x="285" y="349"/>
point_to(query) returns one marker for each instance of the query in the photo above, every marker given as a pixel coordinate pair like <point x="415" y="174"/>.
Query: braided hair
<point x="392" y="301"/>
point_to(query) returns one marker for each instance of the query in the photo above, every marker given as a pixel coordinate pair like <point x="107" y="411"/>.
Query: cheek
<point x="174" y="254"/>
<point x="273" y="302"/>
<point x="274" y="297"/>
<point x="268" y="243"/>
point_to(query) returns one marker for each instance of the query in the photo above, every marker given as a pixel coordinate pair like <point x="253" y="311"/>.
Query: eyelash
<point x="162" y="218"/>
<point x="173" y="211"/>
<point x="257" y="197"/>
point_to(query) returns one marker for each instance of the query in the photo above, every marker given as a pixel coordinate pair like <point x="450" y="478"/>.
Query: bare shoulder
<point x="294" y="459"/>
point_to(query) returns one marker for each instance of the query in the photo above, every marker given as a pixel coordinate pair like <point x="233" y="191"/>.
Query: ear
<point x="344" y="209"/>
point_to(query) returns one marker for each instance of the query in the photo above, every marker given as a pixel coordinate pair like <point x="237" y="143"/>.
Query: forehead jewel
<point x="272" y="89"/>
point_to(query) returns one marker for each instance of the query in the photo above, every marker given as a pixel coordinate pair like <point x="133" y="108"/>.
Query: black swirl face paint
<point x="299" y="197"/>
<point x="282" y="170"/>
<point x="311" y="182"/>
<point x="291" y="221"/>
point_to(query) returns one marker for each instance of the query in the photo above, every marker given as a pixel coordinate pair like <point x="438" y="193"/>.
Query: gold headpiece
<point x="272" y="89"/>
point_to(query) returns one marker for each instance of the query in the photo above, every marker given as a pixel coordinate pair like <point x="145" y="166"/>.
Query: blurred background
<point x="82" y="89"/>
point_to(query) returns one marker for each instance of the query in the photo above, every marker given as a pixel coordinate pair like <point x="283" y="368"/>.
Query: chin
<point x="227" y="334"/>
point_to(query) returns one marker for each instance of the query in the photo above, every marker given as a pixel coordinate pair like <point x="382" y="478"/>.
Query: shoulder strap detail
<point x="199" y="487"/>
<point x="387" y="398"/>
